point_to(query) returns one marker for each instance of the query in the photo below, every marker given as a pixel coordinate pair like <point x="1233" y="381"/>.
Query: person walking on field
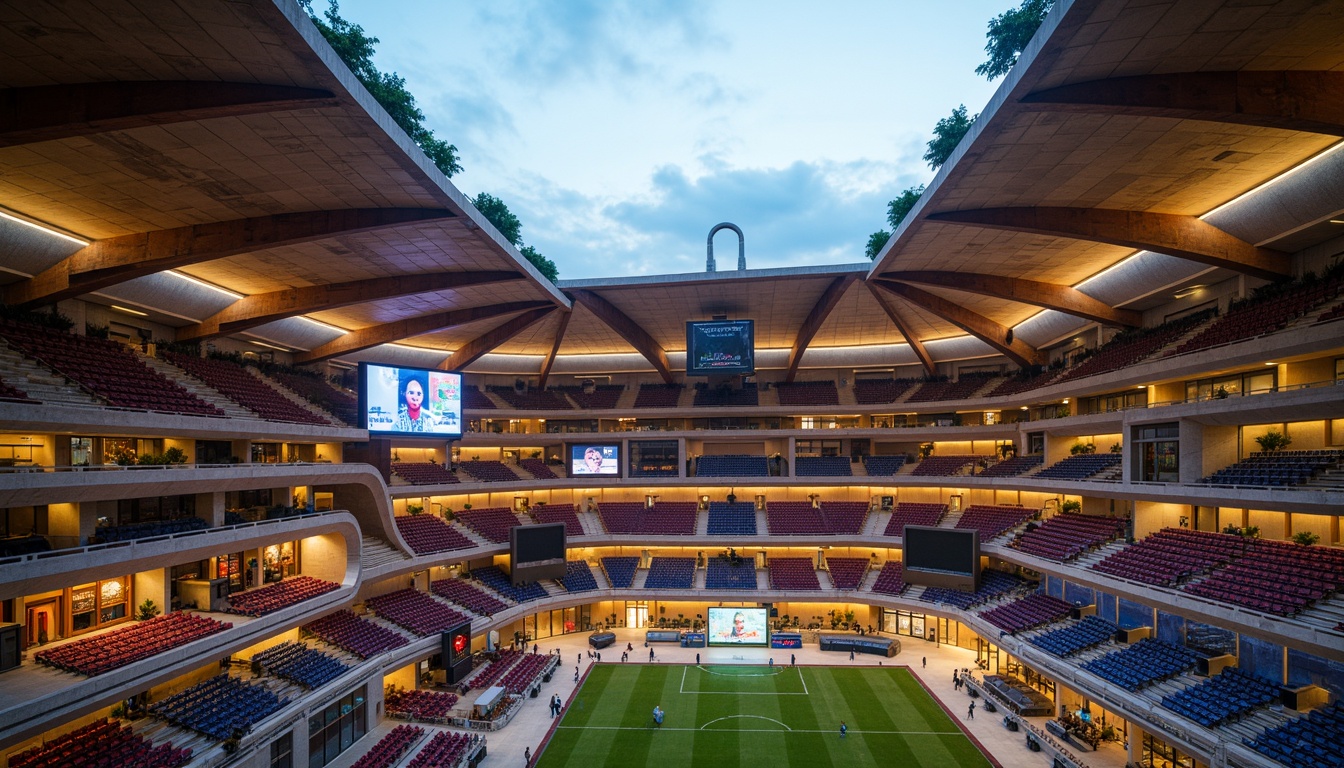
<point x="843" y="729"/>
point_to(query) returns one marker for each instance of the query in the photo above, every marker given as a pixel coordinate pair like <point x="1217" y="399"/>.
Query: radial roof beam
<point x="471" y="351"/>
<point x="1296" y="100"/>
<point x="993" y="334"/>
<point x="555" y="349"/>
<point x="411" y="327"/>
<point x="264" y="308"/>
<point x="1060" y="298"/>
<point x="904" y="328"/>
<point x="126" y="257"/>
<point x="51" y="112"/>
<point x="628" y="329"/>
<point x="812" y="323"/>
<point x="1186" y="237"/>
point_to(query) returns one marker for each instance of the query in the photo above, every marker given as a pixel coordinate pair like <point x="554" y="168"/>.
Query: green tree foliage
<point x="511" y="228"/>
<point x="544" y="265"/>
<point x="876" y="241"/>
<point x="356" y="49"/>
<point x="499" y="214"/>
<point x="900" y="207"/>
<point x="1009" y="33"/>
<point x="947" y="134"/>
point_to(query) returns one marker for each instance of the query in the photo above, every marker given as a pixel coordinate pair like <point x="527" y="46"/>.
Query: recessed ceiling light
<point x="1271" y="363"/>
<point x="1190" y="291"/>
<point x="1337" y="221"/>
<point x="47" y="230"/>
<point x="1142" y="386"/>
<point x="130" y="311"/>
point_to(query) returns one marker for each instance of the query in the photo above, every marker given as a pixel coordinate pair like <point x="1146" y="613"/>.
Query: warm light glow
<point x="204" y="284"/>
<point x="129" y="311"/>
<point x="47" y="230"/>
<point x="321" y="324"/>
<point x="268" y="346"/>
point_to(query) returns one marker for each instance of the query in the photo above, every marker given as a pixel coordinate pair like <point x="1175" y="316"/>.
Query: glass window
<point x="282" y="752"/>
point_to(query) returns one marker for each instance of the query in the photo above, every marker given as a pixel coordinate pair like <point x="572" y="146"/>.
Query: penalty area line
<point x="852" y="731"/>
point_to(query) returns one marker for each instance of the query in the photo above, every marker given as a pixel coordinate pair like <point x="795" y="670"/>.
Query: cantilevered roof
<point x="228" y="143"/>
<point x="1156" y="125"/>
<point x="237" y="120"/>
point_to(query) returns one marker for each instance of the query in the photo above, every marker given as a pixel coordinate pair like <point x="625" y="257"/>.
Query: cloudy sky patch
<point x="621" y="132"/>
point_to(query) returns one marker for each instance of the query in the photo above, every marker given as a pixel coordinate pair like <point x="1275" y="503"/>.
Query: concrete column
<point x="1135" y="743"/>
<point x="210" y="508"/>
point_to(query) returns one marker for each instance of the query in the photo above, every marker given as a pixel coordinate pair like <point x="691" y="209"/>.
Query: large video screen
<point x="720" y="347"/>
<point x="738" y="626"/>
<point x="537" y="552"/>
<point x="410" y="401"/>
<point x="595" y="460"/>
<point x="942" y="557"/>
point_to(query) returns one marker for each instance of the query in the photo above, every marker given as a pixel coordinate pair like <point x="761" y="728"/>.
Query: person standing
<point x="924" y="662"/>
<point x="650" y="655"/>
<point x="527" y="757"/>
<point x="576" y="674"/>
<point x="843" y="729"/>
<point x="697" y="659"/>
<point x="970" y="713"/>
<point x="793" y="659"/>
<point x="851" y="655"/>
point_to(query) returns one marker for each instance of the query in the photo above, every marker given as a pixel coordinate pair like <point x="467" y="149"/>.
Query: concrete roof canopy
<point x="229" y="144"/>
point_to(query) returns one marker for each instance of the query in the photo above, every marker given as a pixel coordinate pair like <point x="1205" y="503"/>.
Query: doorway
<point x="44" y="621"/>
<point x="636" y="615"/>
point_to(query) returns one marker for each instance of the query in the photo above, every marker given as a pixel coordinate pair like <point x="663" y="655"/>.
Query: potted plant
<point x="1306" y="538"/>
<point x="414" y="509"/>
<point x="147" y="611"/>
<point x="1072" y="505"/>
<point x="1273" y="441"/>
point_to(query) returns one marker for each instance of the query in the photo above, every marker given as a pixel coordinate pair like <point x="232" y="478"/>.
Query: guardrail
<point x="181" y="535"/>
<point x="31" y="468"/>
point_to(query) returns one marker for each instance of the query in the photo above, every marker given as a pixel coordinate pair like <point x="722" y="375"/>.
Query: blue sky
<point x="620" y="133"/>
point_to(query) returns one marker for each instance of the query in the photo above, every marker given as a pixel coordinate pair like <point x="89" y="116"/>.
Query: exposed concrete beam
<point x="1296" y="100"/>
<point x="628" y="329"/>
<point x="51" y="112"/>
<point x="1185" y="237"/>
<point x="812" y="323"/>
<point x="987" y="330"/>
<point x="471" y="351"/>
<point x="118" y="259"/>
<point x="910" y="338"/>
<point x="1061" y="298"/>
<point x="266" y="308"/>
<point x="399" y="330"/>
<point x="555" y="349"/>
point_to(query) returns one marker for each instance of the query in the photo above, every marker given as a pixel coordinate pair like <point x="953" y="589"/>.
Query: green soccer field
<point x="756" y="716"/>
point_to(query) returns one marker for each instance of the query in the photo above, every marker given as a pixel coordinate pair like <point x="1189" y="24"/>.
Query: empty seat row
<point x="353" y="634"/>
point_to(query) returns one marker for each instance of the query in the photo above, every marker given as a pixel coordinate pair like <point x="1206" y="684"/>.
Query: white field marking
<point x="771" y="673"/>
<point x="682" y="687"/>
<point x="755" y="717"/>
<point x="852" y="731"/>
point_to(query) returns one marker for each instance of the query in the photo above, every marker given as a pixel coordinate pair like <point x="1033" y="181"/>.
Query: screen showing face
<point x="738" y="626"/>
<point x="602" y="460"/>
<point x="411" y="401"/>
<point x="721" y="347"/>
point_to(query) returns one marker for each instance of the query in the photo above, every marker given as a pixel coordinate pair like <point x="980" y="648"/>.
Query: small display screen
<point x="738" y="626"/>
<point x="599" y="460"/>
<point x="720" y="347"/>
<point x="410" y="401"/>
